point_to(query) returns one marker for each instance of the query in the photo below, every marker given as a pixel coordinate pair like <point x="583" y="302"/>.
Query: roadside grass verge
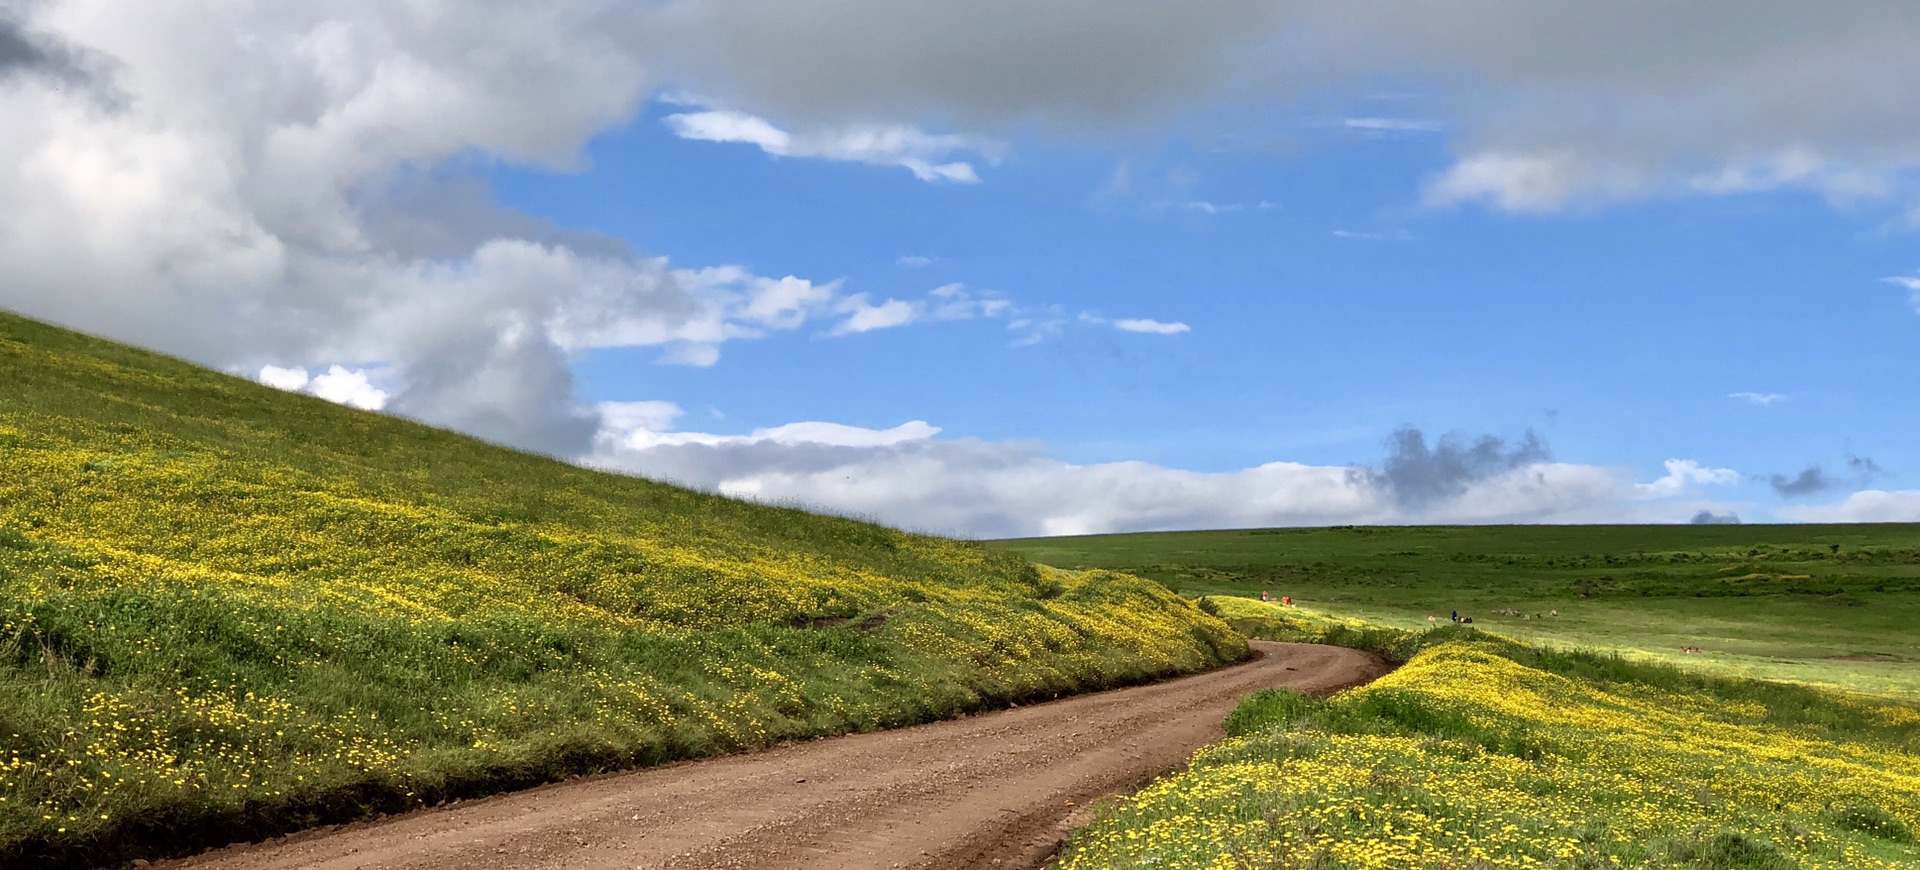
<point x="1481" y="751"/>
<point x="227" y="612"/>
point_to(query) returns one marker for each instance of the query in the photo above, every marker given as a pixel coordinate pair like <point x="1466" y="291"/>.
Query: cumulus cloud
<point x="1709" y="518"/>
<point x="245" y="200"/>
<point x="337" y="384"/>
<point x="1683" y="474"/>
<point x="316" y="215"/>
<point x="1866" y="506"/>
<point x="913" y="261"/>
<point x="1761" y="399"/>
<point x="924" y="154"/>
<point x="908" y="476"/>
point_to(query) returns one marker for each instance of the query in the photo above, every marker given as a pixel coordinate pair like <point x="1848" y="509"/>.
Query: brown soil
<point x="997" y="790"/>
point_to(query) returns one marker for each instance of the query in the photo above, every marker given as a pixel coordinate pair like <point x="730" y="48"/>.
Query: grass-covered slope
<point x="1484" y="752"/>
<point x="1832" y="605"/>
<point x="226" y="610"/>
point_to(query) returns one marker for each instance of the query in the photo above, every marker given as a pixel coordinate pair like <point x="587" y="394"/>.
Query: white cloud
<point x="1393" y="125"/>
<point x="1912" y="284"/>
<point x="1866" y="506"/>
<point x="289" y="379"/>
<point x="302" y="217"/>
<point x="338" y="384"/>
<point x="639" y="426"/>
<point x="1761" y="399"/>
<point x="1152" y="327"/>
<point x="1394" y="236"/>
<point x="1197" y="206"/>
<point x="944" y="303"/>
<point x="644" y="415"/>
<point x="864" y="316"/>
<point x="909" y="477"/>
<point x="692" y="354"/>
<point x="927" y="156"/>
<point x="1532" y="182"/>
<point x="348" y="387"/>
<point x="1682" y="475"/>
<point x="912" y="261"/>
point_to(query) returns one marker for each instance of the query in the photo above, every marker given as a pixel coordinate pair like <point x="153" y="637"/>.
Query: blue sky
<point x="993" y="268"/>
<point x="1750" y="331"/>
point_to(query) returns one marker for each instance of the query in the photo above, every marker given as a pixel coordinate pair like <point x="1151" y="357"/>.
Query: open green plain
<point x="1826" y="605"/>
<point x="228" y="611"/>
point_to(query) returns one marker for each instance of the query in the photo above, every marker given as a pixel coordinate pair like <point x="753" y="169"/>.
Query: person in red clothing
<point x="1287" y="600"/>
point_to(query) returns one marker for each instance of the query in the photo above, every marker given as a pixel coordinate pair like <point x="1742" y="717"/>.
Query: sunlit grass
<point x="227" y="611"/>
<point x="1483" y="752"/>
<point x="1827" y="605"/>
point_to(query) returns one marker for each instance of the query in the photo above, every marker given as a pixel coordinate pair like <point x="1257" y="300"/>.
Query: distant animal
<point x="1466" y="620"/>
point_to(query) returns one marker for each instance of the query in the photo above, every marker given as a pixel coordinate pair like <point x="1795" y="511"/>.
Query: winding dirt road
<point x="996" y="790"/>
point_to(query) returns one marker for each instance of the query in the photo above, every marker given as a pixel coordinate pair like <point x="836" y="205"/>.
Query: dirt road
<point x="994" y="790"/>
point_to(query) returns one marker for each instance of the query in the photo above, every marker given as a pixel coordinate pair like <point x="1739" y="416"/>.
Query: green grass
<point x="1800" y="603"/>
<point x="227" y="611"/>
<point x="1486" y="752"/>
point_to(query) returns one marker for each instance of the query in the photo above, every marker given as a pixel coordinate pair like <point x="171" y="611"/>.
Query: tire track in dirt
<point x="996" y="790"/>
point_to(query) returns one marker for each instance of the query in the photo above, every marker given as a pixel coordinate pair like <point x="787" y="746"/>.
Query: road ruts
<point x="994" y="790"/>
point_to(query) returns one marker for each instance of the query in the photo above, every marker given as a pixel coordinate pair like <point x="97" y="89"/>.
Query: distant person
<point x="1287" y="600"/>
<point x="1456" y="616"/>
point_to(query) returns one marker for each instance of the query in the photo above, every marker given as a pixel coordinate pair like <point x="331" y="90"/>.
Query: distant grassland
<point x="1827" y="605"/>
<point x="1485" y="752"/>
<point x="227" y="611"/>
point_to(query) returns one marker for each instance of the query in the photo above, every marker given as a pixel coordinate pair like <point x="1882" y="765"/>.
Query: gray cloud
<point x="419" y="216"/>
<point x="511" y="387"/>
<point x="1709" y="518"/>
<point x="1810" y="480"/>
<point x="1814" y="479"/>
<point x="985" y="62"/>
<point x="1420" y="475"/>
<point x="24" y="52"/>
<point x="1863" y="469"/>
<point x="1550" y="103"/>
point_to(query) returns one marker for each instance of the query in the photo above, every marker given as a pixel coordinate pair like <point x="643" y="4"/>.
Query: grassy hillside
<point x="1830" y="605"/>
<point x="1484" y="752"/>
<point x="227" y="610"/>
